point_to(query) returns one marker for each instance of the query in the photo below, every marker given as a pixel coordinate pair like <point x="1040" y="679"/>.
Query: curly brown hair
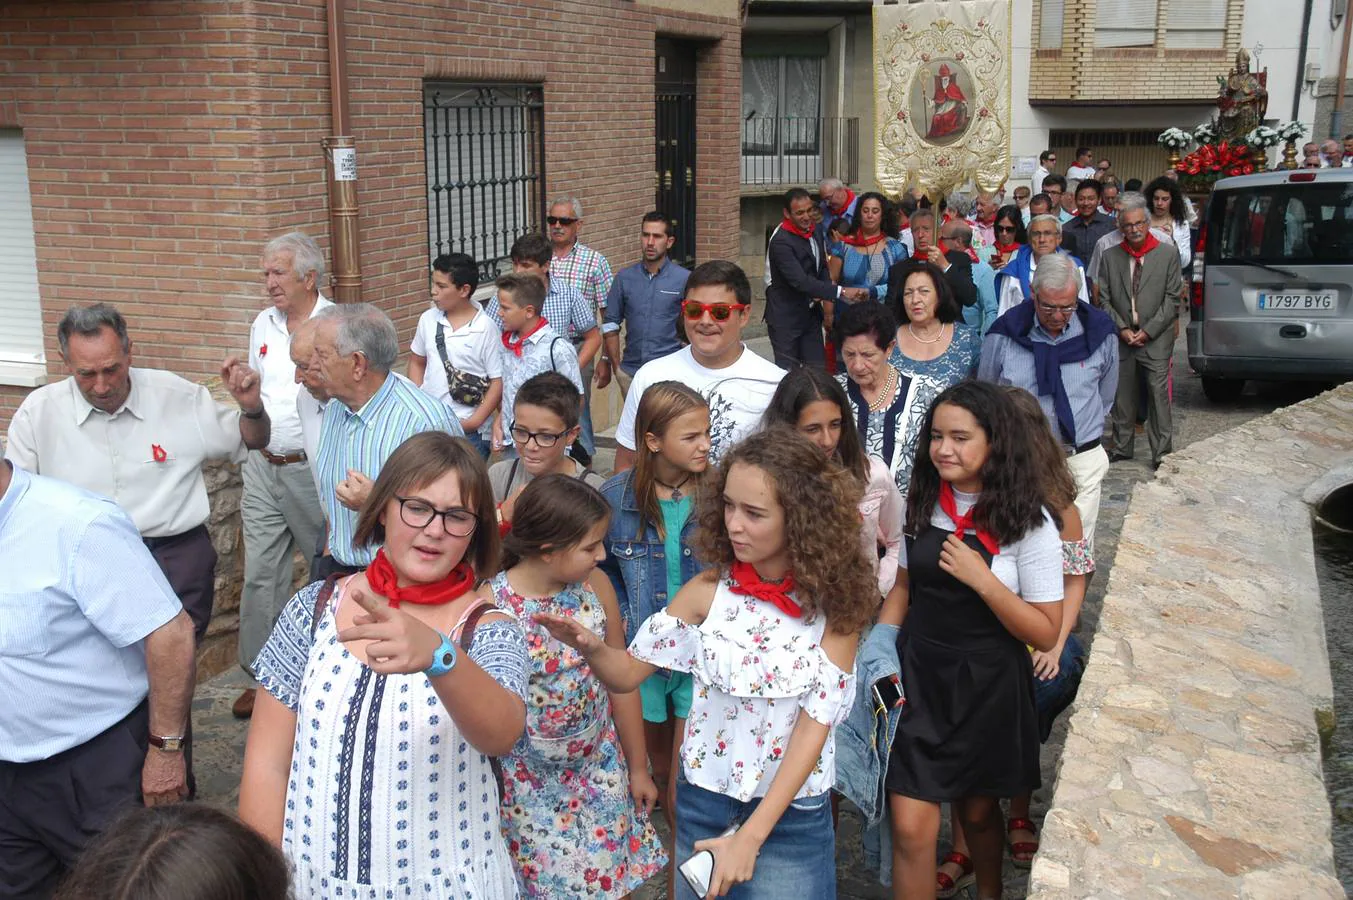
<point x="822" y="518"/>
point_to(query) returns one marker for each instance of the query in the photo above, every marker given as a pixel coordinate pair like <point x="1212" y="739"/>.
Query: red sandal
<point x="1022" y="852"/>
<point x="945" y="885"/>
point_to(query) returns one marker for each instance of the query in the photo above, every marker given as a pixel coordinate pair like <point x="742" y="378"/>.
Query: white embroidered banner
<point x="942" y="95"/>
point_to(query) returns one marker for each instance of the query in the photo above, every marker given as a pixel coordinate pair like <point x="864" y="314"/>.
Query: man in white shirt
<point x="310" y="402"/>
<point x="280" y="505"/>
<point x="1082" y="169"/>
<point x="737" y="383"/>
<point x="140" y="437"/>
<point x="1047" y="161"/>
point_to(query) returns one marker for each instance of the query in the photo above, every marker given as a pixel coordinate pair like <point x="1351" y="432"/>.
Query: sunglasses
<point x="1005" y="228"/>
<point x="560" y="220"/>
<point x="719" y="312"/>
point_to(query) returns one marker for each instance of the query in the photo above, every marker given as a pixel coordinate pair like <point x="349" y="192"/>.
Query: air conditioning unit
<point x="1312" y="73"/>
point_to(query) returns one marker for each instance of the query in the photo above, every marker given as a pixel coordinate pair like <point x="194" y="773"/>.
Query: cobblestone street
<point x="220" y="738"/>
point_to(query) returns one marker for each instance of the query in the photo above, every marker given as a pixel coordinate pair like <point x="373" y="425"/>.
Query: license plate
<point x="1310" y="304"/>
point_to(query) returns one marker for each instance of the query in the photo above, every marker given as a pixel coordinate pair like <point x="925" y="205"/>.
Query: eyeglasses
<point x="458" y="521"/>
<point x="1056" y="310"/>
<point x="560" y="220"/>
<point x="719" y="312"/>
<point x="543" y="439"/>
<point x="1005" y="229"/>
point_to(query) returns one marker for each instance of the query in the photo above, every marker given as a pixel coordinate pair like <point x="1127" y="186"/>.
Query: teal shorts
<point x="656" y="688"/>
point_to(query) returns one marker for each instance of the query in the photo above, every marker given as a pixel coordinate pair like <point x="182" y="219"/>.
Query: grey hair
<point x="306" y="257"/>
<point x="1055" y="271"/>
<point x="1130" y="200"/>
<point x="573" y="202"/>
<point x="365" y="329"/>
<point x="88" y="321"/>
<point x="1047" y="217"/>
<point x="830" y="184"/>
<point x="960" y="204"/>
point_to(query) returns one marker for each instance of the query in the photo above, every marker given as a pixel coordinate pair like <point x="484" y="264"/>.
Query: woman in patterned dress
<point x="865" y="253"/>
<point x="768" y="634"/>
<point x="576" y="815"/>
<point x="932" y="340"/>
<point x="368" y="758"/>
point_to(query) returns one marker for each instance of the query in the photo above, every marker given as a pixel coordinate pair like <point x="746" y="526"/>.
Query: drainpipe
<point x="1337" y="116"/>
<point x="341" y="150"/>
<point x="1300" y="80"/>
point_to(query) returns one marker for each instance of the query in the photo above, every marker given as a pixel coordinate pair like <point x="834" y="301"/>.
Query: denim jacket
<point x="637" y="566"/>
<point x="865" y="739"/>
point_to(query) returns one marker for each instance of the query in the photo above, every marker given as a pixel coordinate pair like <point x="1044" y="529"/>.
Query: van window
<point x="1272" y="224"/>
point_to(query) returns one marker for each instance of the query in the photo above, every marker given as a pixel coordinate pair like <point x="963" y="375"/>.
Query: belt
<point x="286" y="459"/>
<point x="154" y="542"/>
<point x="1081" y="448"/>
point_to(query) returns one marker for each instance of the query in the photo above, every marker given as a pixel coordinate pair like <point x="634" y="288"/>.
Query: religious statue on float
<point x="1242" y="100"/>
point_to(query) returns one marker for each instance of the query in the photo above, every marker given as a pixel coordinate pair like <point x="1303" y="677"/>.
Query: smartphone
<point x="888" y="692"/>
<point x="699" y="869"/>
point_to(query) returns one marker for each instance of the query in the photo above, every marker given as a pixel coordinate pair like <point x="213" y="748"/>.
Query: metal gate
<point x="674" y="178"/>
<point x="485" y="154"/>
<point x="1131" y="154"/>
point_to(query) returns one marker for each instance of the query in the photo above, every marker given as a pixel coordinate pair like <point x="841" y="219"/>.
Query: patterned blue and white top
<point x="385" y="797"/>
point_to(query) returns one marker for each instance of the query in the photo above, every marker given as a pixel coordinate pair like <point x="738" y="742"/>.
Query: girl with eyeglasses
<point x="577" y="792"/>
<point x="387" y="693"/>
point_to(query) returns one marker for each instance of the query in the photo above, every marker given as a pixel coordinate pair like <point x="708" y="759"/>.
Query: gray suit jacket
<point x="1158" y="298"/>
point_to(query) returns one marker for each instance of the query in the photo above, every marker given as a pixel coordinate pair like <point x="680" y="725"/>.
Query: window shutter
<point x="1126" y="23"/>
<point x="1050" y="24"/>
<point x="20" y="307"/>
<point x="1199" y="24"/>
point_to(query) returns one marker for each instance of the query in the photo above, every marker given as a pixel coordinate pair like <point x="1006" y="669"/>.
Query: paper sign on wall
<point x="1024" y="167"/>
<point x="345" y="164"/>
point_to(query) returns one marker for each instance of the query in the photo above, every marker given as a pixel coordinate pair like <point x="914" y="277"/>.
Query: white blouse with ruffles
<point x="755" y="668"/>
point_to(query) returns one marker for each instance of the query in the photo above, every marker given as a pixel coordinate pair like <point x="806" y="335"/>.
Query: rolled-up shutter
<point x="20" y="309"/>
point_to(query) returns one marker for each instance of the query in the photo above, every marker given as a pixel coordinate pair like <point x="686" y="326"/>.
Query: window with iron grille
<point x="484" y="147"/>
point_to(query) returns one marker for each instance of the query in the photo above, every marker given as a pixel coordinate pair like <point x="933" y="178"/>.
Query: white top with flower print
<point x="755" y="668"/>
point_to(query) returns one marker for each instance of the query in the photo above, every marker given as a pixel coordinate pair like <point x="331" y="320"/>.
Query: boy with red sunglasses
<point x="737" y="383"/>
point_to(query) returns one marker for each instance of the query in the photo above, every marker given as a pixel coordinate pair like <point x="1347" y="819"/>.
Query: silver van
<point x="1273" y="296"/>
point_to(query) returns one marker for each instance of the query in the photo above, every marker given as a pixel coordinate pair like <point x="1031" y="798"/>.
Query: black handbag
<point x="466" y="389"/>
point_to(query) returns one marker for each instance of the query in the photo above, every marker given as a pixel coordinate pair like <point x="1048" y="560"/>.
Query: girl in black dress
<point x="982" y="576"/>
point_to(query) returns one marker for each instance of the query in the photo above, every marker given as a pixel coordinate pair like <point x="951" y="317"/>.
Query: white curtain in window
<point x="803" y="103"/>
<point x="1050" y="25"/>
<point x="1126" y="23"/>
<point x="20" y="309"/>
<point x="760" y="103"/>
<point x="1197" y="24"/>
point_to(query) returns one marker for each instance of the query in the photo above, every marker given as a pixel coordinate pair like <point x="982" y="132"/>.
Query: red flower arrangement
<point x="1212" y="161"/>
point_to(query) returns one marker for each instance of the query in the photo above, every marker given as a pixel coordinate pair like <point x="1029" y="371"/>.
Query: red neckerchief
<point x="1005" y="249"/>
<point x="381" y="576"/>
<point x="516" y="346"/>
<point x="1147" y="246"/>
<point x="850" y="198"/>
<point x="972" y="254"/>
<point x="964" y="523"/>
<point x="862" y="241"/>
<point x="788" y="225"/>
<point x="748" y="583"/>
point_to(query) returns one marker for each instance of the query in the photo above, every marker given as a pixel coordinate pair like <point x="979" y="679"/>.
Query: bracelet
<point x="256" y="414"/>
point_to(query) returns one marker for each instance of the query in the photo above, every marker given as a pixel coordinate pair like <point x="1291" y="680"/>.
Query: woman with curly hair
<point x="769" y="635"/>
<point x="1169" y="214"/>
<point x="983" y="578"/>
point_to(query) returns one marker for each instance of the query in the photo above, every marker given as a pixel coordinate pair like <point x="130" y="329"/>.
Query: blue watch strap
<point x="443" y="658"/>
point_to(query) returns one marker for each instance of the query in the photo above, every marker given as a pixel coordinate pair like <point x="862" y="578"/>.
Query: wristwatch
<point x="443" y="658"/>
<point x="169" y="744"/>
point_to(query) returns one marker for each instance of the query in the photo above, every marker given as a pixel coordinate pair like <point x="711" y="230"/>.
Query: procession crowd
<point x="853" y="571"/>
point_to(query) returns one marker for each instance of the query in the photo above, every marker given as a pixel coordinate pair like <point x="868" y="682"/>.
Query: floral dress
<point x="957" y="362"/>
<point x="568" y="817"/>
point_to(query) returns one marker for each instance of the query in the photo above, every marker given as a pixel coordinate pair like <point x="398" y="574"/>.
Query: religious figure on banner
<point x="949" y="112"/>
<point x="1242" y="100"/>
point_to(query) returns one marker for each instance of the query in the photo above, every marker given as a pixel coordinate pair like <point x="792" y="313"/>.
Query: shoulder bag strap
<point x="467" y="627"/>
<point x="326" y="592"/>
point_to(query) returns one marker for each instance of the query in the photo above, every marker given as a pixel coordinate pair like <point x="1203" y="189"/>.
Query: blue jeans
<point x="479" y="443"/>
<point x="797" y="860"/>
<point x="589" y="442"/>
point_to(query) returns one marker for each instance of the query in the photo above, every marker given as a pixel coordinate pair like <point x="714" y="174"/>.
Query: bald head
<point x="303" y="358"/>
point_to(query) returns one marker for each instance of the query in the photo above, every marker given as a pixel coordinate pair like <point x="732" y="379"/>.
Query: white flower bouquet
<point x="1174" y="139"/>
<point x="1292" y="131"/>
<point x="1205" y="133"/>
<point x="1263" y="137"/>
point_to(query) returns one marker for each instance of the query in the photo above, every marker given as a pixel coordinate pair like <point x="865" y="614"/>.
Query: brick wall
<point x="167" y="141"/>
<point x="1080" y="73"/>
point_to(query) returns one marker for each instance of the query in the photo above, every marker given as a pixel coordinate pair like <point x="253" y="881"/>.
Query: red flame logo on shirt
<point x="157" y="453"/>
<point x="263" y="350"/>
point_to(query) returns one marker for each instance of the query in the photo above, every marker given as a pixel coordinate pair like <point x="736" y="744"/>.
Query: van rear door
<point x="1279" y="270"/>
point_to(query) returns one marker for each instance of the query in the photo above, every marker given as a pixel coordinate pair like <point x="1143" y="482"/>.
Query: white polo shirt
<point x="471" y="348"/>
<point x="311" y="413"/>
<point x="147" y="456"/>
<point x="270" y="356"/>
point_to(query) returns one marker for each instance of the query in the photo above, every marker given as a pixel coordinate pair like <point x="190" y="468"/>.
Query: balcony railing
<point x="800" y="150"/>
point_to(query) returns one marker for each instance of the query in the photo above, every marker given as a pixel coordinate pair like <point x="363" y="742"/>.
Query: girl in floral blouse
<point x="769" y="635"/>
<point x="575" y="813"/>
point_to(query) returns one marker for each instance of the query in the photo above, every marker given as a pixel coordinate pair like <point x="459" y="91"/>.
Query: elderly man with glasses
<point x="1014" y="281"/>
<point x="1065" y="352"/>
<point x="1142" y="289"/>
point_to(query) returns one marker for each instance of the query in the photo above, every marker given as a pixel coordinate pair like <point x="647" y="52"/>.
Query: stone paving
<point x="220" y="738"/>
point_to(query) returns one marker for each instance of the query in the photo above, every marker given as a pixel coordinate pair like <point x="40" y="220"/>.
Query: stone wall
<point x="1192" y="763"/>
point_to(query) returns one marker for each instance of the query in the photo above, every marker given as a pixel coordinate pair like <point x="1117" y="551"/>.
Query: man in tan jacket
<point x="1141" y="288"/>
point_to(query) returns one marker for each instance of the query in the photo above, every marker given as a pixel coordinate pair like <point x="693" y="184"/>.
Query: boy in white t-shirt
<point x="462" y="342"/>
<point x="737" y="383"/>
<point x="1081" y="170"/>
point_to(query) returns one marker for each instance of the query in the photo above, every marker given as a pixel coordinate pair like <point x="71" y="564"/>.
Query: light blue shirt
<point x="983" y="313"/>
<point x="80" y="593"/>
<point x="1090" y="385"/>
<point x="542" y="352"/>
<point x="363" y="440"/>
<point x="649" y="306"/>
